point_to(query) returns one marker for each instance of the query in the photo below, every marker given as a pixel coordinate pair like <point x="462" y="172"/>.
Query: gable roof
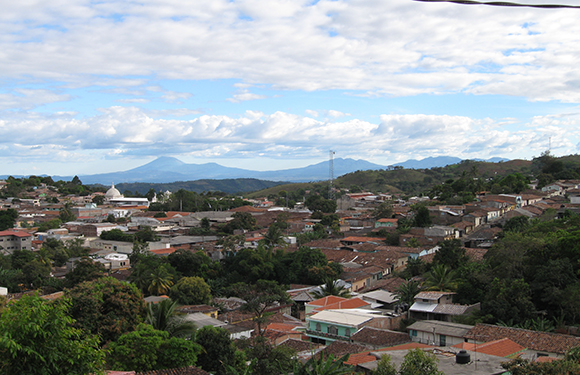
<point x="352" y="303"/>
<point x="535" y="340"/>
<point x="325" y="301"/>
<point x="15" y="233"/>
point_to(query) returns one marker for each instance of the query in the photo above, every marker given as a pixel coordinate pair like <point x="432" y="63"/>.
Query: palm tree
<point x="162" y="317"/>
<point x="160" y="281"/>
<point x="274" y="236"/>
<point x="319" y="365"/>
<point x="441" y="278"/>
<point x="331" y="288"/>
<point x="407" y="291"/>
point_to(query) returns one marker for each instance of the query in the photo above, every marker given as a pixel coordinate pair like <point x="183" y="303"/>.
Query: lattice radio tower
<point x="330" y="174"/>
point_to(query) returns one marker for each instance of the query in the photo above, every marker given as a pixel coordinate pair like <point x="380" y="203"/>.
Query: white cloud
<point x="397" y="47"/>
<point x="131" y="131"/>
<point x="244" y="95"/>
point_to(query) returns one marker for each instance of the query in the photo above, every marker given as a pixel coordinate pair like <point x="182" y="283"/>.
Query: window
<point x="347" y="332"/>
<point x="318" y="328"/>
<point x="413" y="332"/>
<point x="442" y="340"/>
<point x="333" y="330"/>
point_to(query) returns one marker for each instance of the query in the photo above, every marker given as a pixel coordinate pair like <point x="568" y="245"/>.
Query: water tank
<point x="462" y="357"/>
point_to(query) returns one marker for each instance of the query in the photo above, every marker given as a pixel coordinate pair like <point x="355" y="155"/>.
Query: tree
<point x="85" y="270"/>
<point x="107" y="307"/>
<point x="384" y="210"/>
<point x="516" y="224"/>
<point x="419" y="362"/>
<point x="147" y="349"/>
<point x="8" y="218"/>
<point x="218" y="350"/>
<point x="385" y="366"/>
<point x="260" y="297"/>
<point x="189" y="263"/>
<point x="162" y="316"/>
<point x="331" y="287"/>
<point x="421" y="218"/>
<point x="318" y="203"/>
<point x="98" y="199"/>
<point x="407" y="291"/>
<point x="267" y="359"/>
<point x="321" y="365"/>
<point x="191" y="291"/>
<point x="274" y="237"/>
<point x="450" y="254"/>
<point x="160" y="280"/>
<point x="441" y="278"/>
<point x="39" y="337"/>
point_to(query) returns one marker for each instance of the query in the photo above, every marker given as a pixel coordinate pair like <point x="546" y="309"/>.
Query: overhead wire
<point x="501" y="3"/>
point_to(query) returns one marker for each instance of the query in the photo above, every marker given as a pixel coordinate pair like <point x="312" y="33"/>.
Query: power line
<point x="501" y="4"/>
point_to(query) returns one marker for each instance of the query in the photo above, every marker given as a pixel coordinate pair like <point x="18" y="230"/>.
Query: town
<point x="360" y="282"/>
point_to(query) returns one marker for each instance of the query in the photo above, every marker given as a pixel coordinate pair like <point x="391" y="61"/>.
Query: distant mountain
<point x="168" y="169"/>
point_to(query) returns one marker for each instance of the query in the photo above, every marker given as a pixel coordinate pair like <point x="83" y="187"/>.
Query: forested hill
<point x="413" y="181"/>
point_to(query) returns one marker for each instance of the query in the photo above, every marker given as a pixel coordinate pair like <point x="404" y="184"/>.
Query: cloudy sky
<point x="97" y="86"/>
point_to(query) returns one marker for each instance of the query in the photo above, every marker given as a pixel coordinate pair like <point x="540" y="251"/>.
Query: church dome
<point x="113" y="193"/>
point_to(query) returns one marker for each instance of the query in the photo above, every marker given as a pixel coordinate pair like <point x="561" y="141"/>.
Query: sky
<point x="95" y="86"/>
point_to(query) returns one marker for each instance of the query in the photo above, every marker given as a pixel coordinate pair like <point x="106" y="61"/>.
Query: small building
<point x="11" y="240"/>
<point x="434" y="332"/>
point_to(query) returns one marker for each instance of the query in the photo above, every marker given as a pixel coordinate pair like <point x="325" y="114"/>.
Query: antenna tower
<point x="330" y="174"/>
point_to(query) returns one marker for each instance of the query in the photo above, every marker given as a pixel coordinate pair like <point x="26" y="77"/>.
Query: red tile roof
<point x="324" y="301"/>
<point x="535" y="340"/>
<point x="500" y="348"/>
<point x="16" y="233"/>
<point x="353" y="303"/>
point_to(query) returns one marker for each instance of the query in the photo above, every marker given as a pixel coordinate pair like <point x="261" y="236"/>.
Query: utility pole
<point x="330" y="174"/>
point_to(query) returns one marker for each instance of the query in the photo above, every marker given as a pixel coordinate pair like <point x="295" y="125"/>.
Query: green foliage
<point x="331" y="287"/>
<point x="384" y="210"/>
<point x="321" y="365"/>
<point x="509" y="299"/>
<point x="84" y="270"/>
<point x="241" y="220"/>
<point x="148" y="349"/>
<point x="162" y="316"/>
<point x="267" y="359"/>
<point x="441" y="278"/>
<point x="450" y="254"/>
<point x="218" y="350"/>
<point x="8" y="218"/>
<point x="407" y="291"/>
<point x="421" y="218"/>
<point x="39" y="337"/>
<point x="316" y="202"/>
<point x="419" y="362"/>
<point x="385" y="366"/>
<point x="260" y="297"/>
<point x="107" y="307"/>
<point x="191" y="291"/>
<point x="189" y="263"/>
<point x="516" y="224"/>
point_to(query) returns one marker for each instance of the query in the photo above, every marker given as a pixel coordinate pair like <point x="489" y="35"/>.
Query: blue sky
<point x="89" y="87"/>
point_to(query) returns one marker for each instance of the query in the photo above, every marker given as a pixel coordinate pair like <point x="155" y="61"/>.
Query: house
<point x="538" y="343"/>
<point x="434" y="332"/>
<point x="438" y="306"/>
<point x="11" y="240"/>
<point x="332" y="325"/>
<point x="386" y="223"/>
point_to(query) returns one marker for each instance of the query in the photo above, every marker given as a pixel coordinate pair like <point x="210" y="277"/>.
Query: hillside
<point x="409" y="181"/>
